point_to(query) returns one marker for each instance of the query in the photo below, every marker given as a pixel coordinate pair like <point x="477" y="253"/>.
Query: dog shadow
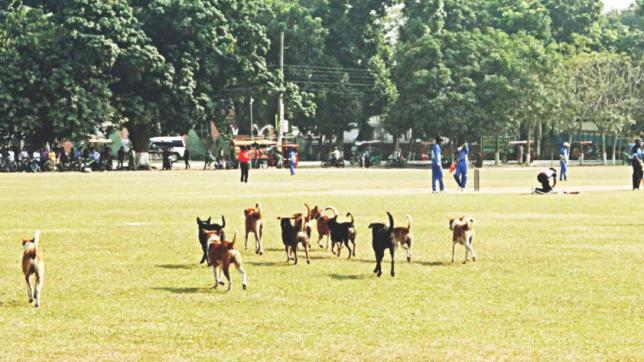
<point x="336" y="276"/>
<point x="431" y="263"/>
<point x="269" y="263"/>
<point x="178" y="266"/>
<point x="183" y="290"/>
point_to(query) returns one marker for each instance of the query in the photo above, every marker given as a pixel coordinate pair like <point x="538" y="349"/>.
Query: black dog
<point x="292" y="235"/>
<point x="342" y="233"/>
<point x="382" y="239"/>
<point x="204" y="227"/>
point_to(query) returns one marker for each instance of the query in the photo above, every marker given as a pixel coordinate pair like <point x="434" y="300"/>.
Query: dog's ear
<point x="208" y="221"/>
<point x="198" y="220"/>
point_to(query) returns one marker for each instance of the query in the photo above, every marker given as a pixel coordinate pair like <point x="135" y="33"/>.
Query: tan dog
<point x="221" y="254"/>
<point x="463" y="233"/>
<point x="402" y="236"/>
<point x="322" y="225"/>
<point x="255" y="225"/>
<point x="33" y="263"/>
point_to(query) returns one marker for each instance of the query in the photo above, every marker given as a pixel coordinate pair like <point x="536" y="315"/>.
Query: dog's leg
<point x="472" y="249"/>
<point x="353" y="241"/>
<point x="294" y="248"/>
<point x="40" y="279"/>
<point x="409" y="251"/>
<point x="241" y="270"/>
<point x="30" y="292"/>
<point x="346" y="243"/>
<point x="320" y="237"/>
<point x="261" y="236"/>
<point x="307" y="246"/>
<point x="246" y="242"/>
<point x="214" y="269"/>
<point x="467" y="252"/>
<point x="226" y="267"/>
<point x="379" y="256"/>
<point x="392" y="253"/>
<point x="453" y="250"/>
<point x="288" y="253"/>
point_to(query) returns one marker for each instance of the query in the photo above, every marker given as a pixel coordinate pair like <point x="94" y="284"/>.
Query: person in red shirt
<point x="244" y="163"/>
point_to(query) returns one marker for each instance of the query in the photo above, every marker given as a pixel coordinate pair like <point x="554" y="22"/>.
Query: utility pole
<point x="280" y="105"/>
<point x="252" y="137"/>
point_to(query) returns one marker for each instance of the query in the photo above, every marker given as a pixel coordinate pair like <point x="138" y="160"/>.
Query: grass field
<point x="558" y="276"/>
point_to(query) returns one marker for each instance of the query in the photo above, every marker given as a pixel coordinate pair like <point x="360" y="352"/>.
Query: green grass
<point x="558" y="277"/>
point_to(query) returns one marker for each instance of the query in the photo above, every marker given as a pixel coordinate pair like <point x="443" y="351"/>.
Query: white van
<point x="176" y="145"/>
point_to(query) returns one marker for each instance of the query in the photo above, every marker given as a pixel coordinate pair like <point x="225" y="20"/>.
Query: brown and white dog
<point x="322" y="222"/>
<point x="255" y="225"/>
<point x="294" y="234"/>
<point x="402" y="236"/>
<point x="221" y="254"/>
<point x="463" y="233"/>
<point x="33" y="263"/>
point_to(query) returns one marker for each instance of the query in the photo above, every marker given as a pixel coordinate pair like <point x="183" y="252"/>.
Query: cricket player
<point x="544" y="178"/>
<point x="564" y="156"/>
<point x="437" y="165"/>
<point x="461" y="167"/>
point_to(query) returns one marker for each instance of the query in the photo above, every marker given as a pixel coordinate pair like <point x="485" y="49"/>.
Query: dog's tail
<point x="349" y="214"/>
<point x="223" y="221"/>
<point x="470" y="223"/>
<point x="232" y="243"/>
<point x="37" y="238"/>
<point x="259" y="210"/>
<point x="335" y="212"/>
<point x="308" y="211"/>
<point x="391" y="221"/>
<point x="409" y="225"/>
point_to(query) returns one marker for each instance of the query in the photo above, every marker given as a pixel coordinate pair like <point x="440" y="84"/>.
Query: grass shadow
<point x="268" y="263"/>
<point x="336" y="276"/>
<point x="432" y="263"/>
<point x="183" y="290"/>
<point x="178" y="266"/>
<point x="14" y="304"/>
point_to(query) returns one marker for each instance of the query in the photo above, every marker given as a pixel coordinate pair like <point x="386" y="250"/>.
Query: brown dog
<point x="221" y="254"/>
<point x="294" y="234"/>
<point x="322" y="222"/>
<point x="33" y="263"/>
<point x="462" y="233"/>
<point x="402" y="236"/>
<point x="255" y="225"/>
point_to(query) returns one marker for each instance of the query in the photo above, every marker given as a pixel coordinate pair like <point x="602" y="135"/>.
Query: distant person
<point x="520" y="155"/>
<point x="461" y="166"/>
<point x="167" y="163"/>
<point x="437" y="165"/>
<point x="186" y="158"/>
<point x="564" y="156"/>
<point x="209" y="159"/>
<point x="292" y="158"/>
<point x="544" y="178"/>
<point x="120" y="156"/>
<point x="636" y="153"/>
<point x="131" y="159"/>
<point x="335" y="154"/>
<point x="244" y="163"/>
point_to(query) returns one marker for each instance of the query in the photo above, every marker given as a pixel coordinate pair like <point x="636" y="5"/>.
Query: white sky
<point x="616" y="4"/>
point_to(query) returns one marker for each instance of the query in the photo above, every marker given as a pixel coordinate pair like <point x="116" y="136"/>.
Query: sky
<point x="616" y="4"/>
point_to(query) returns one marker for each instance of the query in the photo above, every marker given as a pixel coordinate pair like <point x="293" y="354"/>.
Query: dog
<point x="402" y="236"/>
<point x="293" y="234"/>
<point x="221" y="254"/>
<point x="342" y="233"/>
<point x="255" y="225"/>
<point x="322" y="226"/>
<point x="205" y="226"/>
<point x="463" y="233"/>
<point x="382" y="238"/>
<point x="33" y="263"/>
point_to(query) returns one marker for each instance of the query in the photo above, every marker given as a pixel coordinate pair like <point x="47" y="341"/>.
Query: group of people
<point x="460" y="167"/>
<point x="59" y="158"/>
<point x="244" y="157"/>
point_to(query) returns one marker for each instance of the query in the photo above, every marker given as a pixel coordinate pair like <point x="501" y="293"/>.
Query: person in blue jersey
<point x="292" y="157"/>
<point x="636" y="154"/>
<point x="461" y="167"/>
<point x="564" y="156"/>
<point x="437" y="165"/>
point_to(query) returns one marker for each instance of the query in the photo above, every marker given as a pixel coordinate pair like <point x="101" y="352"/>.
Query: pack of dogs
<point x="296" y="230"/>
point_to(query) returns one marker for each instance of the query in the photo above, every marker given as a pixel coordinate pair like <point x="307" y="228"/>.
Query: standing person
<point x="209" y="158"/>
<point x="166" y="159"/>
<point x="437" y="165"/>
<point x="131" y="159"/>
<point x="244" y="163"/>
<point x="461" y="167"/>
<point x="120" y="155"/>
<point x="520" y="155"/>
<point x="544" y="178"/>
<point x="636" y="153"/>
<point x="292" y="157"/>
<point x="564" y="156"/>
<point x="186" y="158"/>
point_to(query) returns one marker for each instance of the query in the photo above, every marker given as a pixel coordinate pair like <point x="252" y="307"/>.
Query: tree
<point x="609" y="91"/>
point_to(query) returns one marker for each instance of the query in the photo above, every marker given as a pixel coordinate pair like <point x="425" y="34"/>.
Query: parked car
<point x="176" y="145"/>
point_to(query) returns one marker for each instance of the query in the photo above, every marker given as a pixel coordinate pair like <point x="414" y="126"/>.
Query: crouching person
<point x="544" y="179"/>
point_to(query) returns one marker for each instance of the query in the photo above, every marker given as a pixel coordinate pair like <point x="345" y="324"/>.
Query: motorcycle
<point x="396" y="162"/>
<point x="338" y="163"/>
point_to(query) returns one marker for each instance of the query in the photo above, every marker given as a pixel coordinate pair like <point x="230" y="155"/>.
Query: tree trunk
<point x="604" y="157"/>
<point x="319" y="153"/>
<point x="411" y="146"/>
<point x="528" y="147"/>
<point x="614" y="148"/>
<point x="539" y="138"/>
<point x="497" y="151"/>
<point x="140" y="140"/>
